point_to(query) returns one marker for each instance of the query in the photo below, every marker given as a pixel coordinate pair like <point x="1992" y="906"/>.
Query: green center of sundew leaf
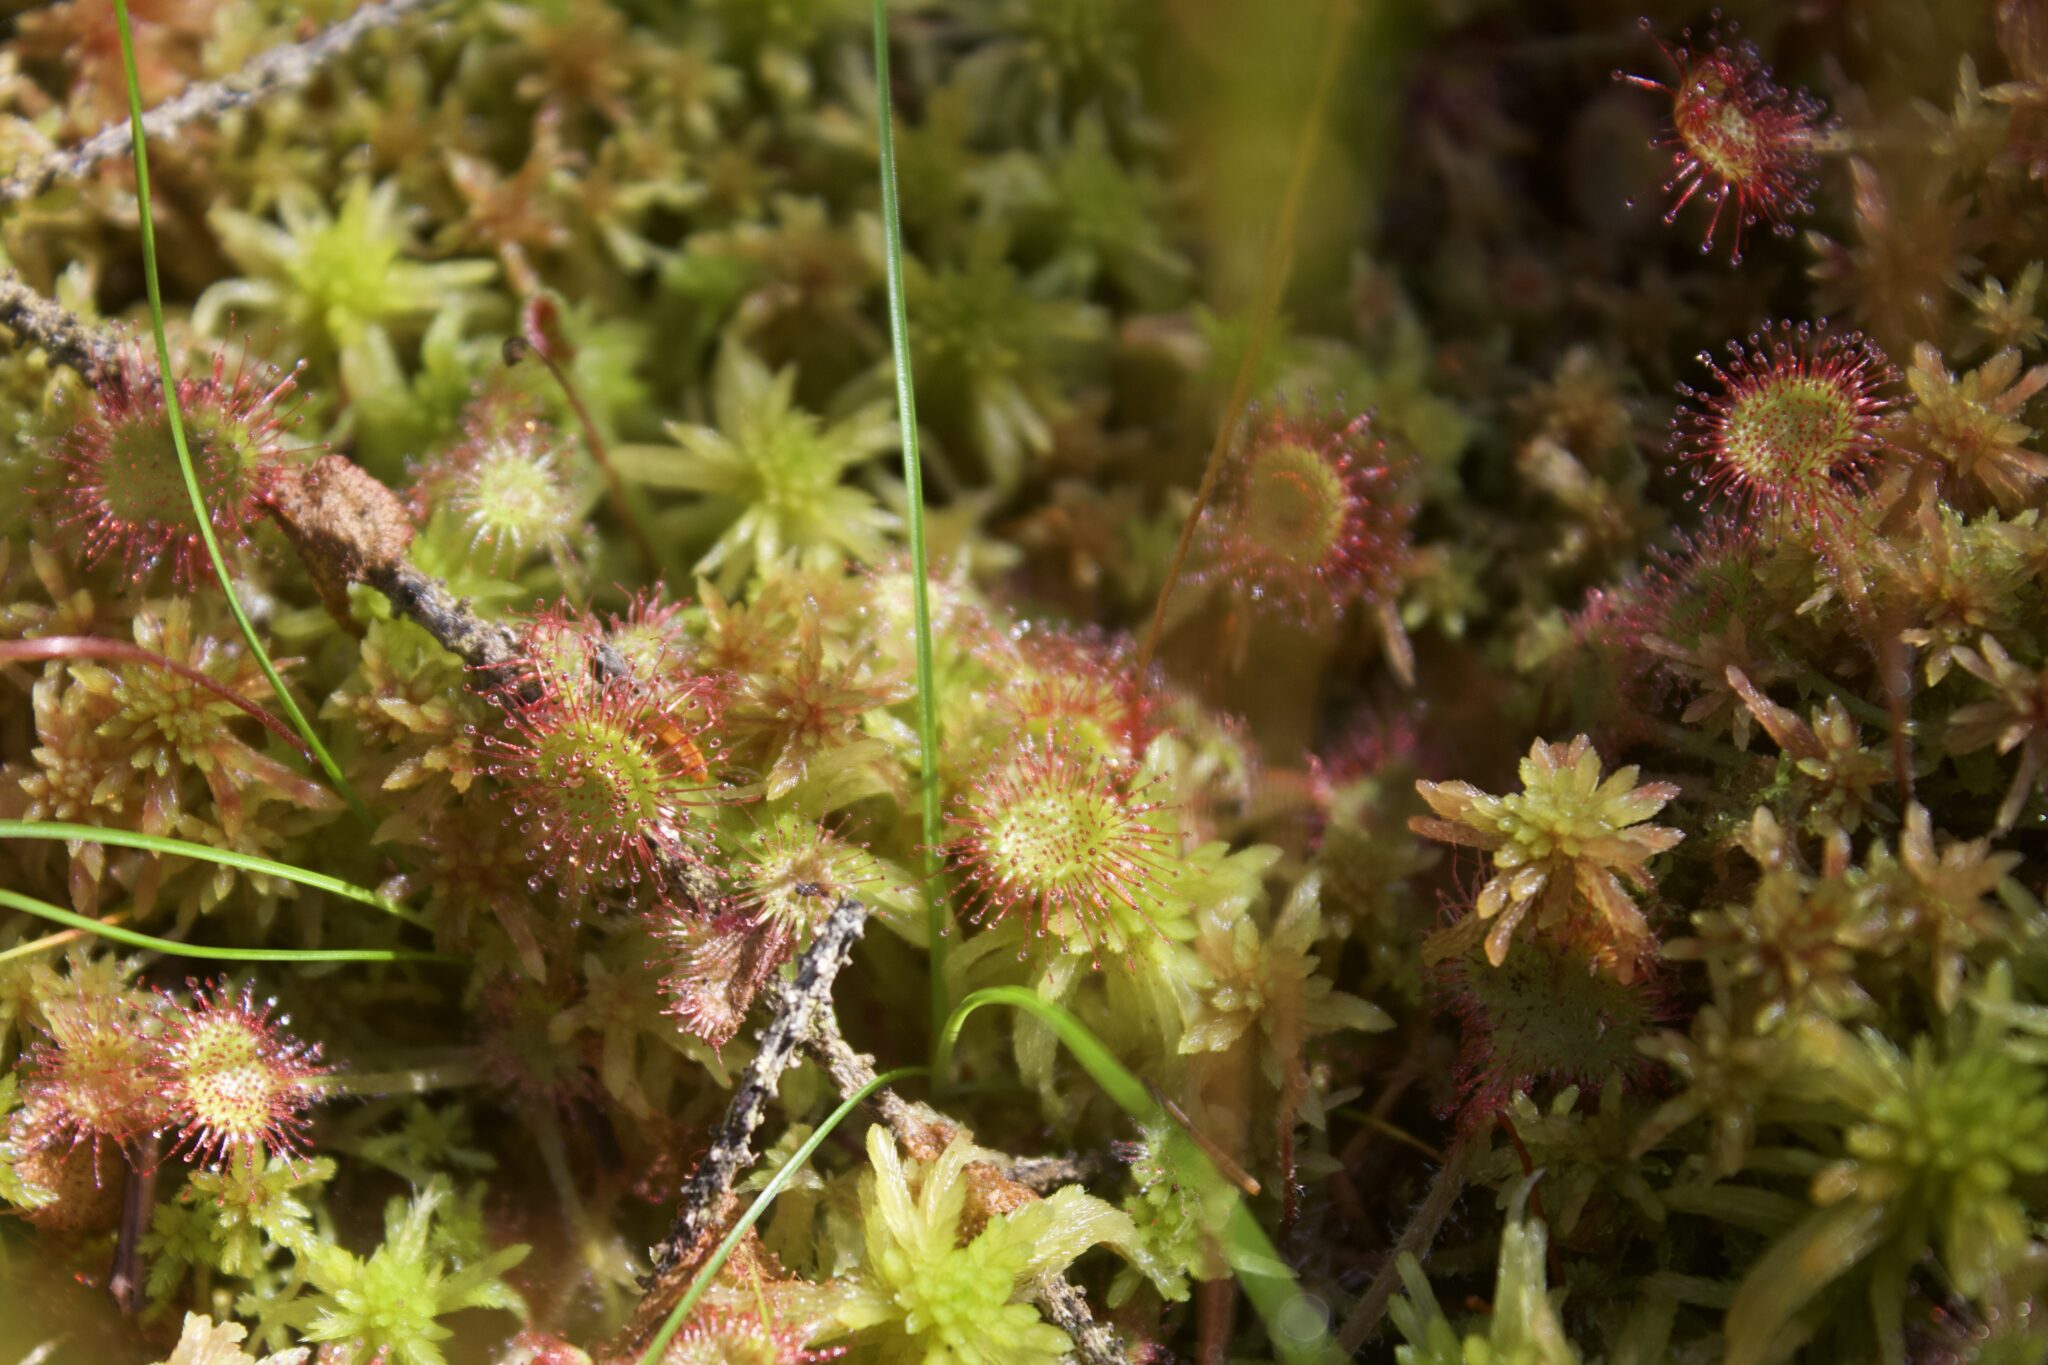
<point x="1293" y="507"/>
<point x="1055" y="842"/>
<point x="228" y="1083"/>
<point x="1718" y="129"/>
<point x="727" y="1344"/>
<point x="601" y="777"/>
<point x="1791" y="434"/>
<point x="514" y="498"/>
<point x="140" y="476"/>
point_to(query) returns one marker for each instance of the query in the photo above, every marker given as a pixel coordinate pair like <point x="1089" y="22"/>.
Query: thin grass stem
<point x="45" y="647"/>
<point x="200" y="514"/>
<point x="936" y="915"/>
<point x="29" y="905"/>
<point x="227" y="857"/>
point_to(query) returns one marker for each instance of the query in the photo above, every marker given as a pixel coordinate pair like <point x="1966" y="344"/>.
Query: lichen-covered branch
<point x="426" y="601"/>
<point x="923" y="1131"/>
<point x="803" y="999"/>
<point x="44" y="322"/>
<point x="1066" y="1308"/>
<point x="706" y="1201"/>
<point x="284" y="67"/>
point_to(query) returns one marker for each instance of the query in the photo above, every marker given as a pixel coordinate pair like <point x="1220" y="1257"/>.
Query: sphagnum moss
<point x="1716" y="1034"/>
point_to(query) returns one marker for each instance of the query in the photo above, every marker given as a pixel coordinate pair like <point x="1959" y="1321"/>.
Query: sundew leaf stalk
<point x="1338" y="19"/>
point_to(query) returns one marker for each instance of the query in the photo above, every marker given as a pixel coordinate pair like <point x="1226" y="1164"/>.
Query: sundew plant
<point x="1006" y="682"/>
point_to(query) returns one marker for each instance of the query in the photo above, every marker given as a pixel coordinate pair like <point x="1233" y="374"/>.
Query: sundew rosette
<point x="1739" y="141"/>
<point x="608" y="782"/>
<point x="121" y="491"/>
<point x="1076" y="846"/>
<point x="1310" y="512"/>
<point x="1793" y="425"/>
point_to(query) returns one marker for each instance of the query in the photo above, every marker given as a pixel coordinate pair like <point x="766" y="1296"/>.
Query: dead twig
<point x="1415" y="1241"/>
<point x="1066" y="1308"/>
<point x="61" y="334"/>
<point x="923" y="1131"/>
<point x="284" y="67"/>
<point x="706" y="1203"/>
<point x="1044" y="1173"/>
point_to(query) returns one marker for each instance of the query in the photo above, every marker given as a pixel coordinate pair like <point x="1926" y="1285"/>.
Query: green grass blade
<point x="776" y="1184"/>
<point x="913" y="483"/>
<point x="1102" y="1067"/>
<point x="29" y="905"/>
<point x="171" y="410"/>
<point x="1268" y="1282"/>
<point x="246" y="862"/>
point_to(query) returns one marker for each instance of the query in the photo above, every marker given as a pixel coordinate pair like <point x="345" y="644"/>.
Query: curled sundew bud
<point x="1311" y="512"/>
<point x="1797" y="419"/>
<point x="236" y="1083"/>
<point x="608" y="780"/>
<point x="1739" y="140"/>
<point x="503" y="489"/>
<point x="122" y="489"/>
<point x="707" y="983"/>
<point x="1054" y="832"/>
<point x="796" y="871"/>
<point x="726" y="1338"/>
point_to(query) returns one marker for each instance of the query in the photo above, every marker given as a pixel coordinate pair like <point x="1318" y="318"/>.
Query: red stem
<point x="615" y="487"/>
<point x="94" y="647"/>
